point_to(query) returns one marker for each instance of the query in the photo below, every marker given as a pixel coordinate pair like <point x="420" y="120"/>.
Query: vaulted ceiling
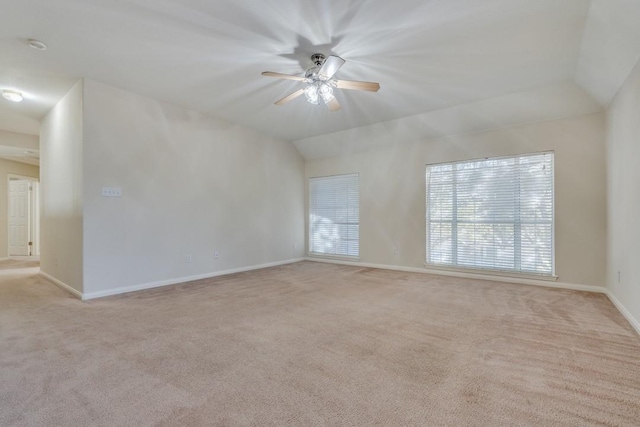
<point x="208" y="55"/>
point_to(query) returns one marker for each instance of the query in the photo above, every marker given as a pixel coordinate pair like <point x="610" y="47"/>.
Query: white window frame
<point x="353" y="213"/>
<point x="499" y="272"/>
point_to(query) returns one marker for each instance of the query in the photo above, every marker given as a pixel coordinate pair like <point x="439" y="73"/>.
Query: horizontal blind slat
<point x="492" y="213"/>
<point x="334" y="214"/>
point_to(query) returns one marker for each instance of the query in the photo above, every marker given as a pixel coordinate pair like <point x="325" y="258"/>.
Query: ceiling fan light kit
<point x="318" y="90"/>
<point x="320" y="82"/>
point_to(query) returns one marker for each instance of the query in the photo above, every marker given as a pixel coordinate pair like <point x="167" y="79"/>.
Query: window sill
<point x="499" y="273"/>
<point x="336" y="257"/>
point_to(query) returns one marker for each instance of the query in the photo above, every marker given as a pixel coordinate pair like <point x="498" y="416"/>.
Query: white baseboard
<point x="622" y="309"/>
<point x="62" y="285"/>
<point x="175" y="281"/>
<point x="493" y="278"/>
<point x="572" y="286"/>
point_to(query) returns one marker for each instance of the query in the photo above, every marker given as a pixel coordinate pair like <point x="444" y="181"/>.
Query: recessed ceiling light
<point x="12" y="95"/>
<point x="36" y="44"/>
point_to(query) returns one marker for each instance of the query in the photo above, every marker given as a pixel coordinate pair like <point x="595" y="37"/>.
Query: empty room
<point x="319" y="213"/>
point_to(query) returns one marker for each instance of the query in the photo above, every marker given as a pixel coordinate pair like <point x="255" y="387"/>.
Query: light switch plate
<point x="111" y="192"/>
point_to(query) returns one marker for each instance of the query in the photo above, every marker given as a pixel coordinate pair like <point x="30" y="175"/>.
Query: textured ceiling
<point x="207" y="56"/>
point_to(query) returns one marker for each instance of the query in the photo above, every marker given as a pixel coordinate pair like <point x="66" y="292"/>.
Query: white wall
<point x="8" y="167"/>
<point x="61" y="190"/>
<point x="392" y="189"/>
<point x="623" y="173"/>
<point x="191" y="185"/>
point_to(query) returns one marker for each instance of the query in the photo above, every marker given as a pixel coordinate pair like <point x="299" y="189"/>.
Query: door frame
<point x="34" y="211"/>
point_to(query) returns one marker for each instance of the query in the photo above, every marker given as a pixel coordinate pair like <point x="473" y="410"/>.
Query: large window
<point x="494" y="214"/>
<point x="334" y="215"/>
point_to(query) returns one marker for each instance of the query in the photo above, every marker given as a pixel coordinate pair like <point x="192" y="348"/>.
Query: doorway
<point x="23" y="216"/>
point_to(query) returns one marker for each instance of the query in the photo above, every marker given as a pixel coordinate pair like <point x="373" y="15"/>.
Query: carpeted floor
<point x="315" y="344"/>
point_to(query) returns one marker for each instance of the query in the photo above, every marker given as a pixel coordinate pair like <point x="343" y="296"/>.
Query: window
<point x="494" y="214"/>
<point x="334" y="215"/>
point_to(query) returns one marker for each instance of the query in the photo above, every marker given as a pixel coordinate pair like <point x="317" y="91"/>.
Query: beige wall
<point x="22" y="140"/>
<point x="8" y="167"/>
<point x="392" y="190"/>
<point x="623" y="155"/>
<point x="61" y="190"/>
<point x="190" y="184"/>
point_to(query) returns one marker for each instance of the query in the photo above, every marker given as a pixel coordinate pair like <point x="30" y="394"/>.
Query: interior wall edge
<point x="76" y="293"/>
<point x="635" y="324"/>
<point x="479" y="276"/>
<point x="179" y="280"/>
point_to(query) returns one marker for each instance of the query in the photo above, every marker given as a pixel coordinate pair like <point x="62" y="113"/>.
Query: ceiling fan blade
<point x="355" y="85"/>
<point x="331" y="65"/>
<point x="283" y="76"/>
<point x="290" y="97"/>
<point x="334" y="105"/>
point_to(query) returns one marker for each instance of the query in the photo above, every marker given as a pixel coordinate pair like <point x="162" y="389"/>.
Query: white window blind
<point x="334" y="214"/>
<point x="494" y="214"/>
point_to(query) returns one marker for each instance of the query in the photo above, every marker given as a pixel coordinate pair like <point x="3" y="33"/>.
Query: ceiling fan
<point x="319" y="82"/>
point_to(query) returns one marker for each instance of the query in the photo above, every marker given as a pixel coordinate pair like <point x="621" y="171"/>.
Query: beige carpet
<point x="314" y="344"/>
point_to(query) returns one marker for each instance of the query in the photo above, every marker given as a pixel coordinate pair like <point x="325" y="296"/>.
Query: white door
<point x="34" y="224"/>
<point x="19" y="217"/>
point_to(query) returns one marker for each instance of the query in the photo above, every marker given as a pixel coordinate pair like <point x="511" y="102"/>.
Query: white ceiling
<point x="208" y="55"/>
<point x="610" y="48"/>
<point x="530" y="106"/>
<point x="31" y="157"/>
<point x="19" y="147"/>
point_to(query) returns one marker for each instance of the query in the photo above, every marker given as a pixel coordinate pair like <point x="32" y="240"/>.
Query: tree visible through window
<point x="334" y="212"/>
<point x="494" y="214"/>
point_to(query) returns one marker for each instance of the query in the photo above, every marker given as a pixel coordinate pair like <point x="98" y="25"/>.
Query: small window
<point x="334" y="214"/>
<point x="493" y="214"/>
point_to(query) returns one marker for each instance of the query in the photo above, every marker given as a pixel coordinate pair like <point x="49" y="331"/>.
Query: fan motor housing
<point x="318" y="59"/>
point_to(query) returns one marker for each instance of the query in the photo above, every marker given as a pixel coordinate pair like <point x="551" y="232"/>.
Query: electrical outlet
<point x="111" y="192"/>
<point x="618" y="277"/>
<point x="216" y="255"/>
<point x="395" y="251"/>
<point x="189" y="259"/>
